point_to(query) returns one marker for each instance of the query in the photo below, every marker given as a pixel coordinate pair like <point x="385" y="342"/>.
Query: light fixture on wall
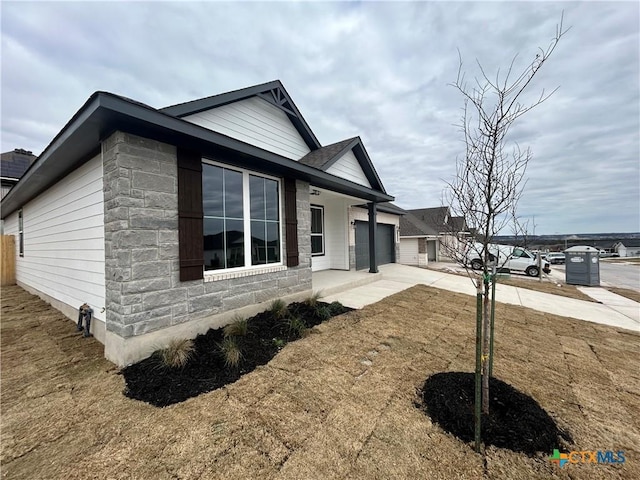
<point x="314" y="191"/>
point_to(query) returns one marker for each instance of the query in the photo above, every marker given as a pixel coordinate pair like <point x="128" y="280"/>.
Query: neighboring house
<point x="449" y="230"/>
<point x="418" y="241"/>
<point x="12" y="166"/>
<point x="630" y="248"/>
<point x="168" y="222"/>
<point x="620" y="249"/>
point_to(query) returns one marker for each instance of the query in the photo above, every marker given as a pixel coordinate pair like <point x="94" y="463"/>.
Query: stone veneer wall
<point x="422" y="245"/>
<point x="143" y="290"/>
<point x="352" y="254"/>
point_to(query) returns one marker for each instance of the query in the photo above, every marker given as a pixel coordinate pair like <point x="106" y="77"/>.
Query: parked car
<point x="555" y="258"/>
<point x="506" y="256"/>
<point x="543" y="255"/>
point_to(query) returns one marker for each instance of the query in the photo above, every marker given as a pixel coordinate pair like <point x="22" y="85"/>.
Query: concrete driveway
<point x="614" y="310"/>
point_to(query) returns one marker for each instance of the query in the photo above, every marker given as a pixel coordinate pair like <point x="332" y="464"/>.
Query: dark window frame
<point x="267" y="217"/>
<point x="247" y="219"/>
<point x="321" y="235"/>
<point x="21" y="232"/>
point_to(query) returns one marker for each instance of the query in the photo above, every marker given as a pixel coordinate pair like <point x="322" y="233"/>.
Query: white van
<point x="516" y="259"/>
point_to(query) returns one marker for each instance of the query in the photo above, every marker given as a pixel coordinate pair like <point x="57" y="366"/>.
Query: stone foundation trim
<point x="126" y="351"/>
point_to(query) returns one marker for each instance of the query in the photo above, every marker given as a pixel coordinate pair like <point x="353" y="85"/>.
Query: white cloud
<point x="378" y="70"/>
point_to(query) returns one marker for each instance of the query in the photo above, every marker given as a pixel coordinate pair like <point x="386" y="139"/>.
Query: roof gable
<point x="81" y="138"/>
<point x="257" y="122"/>
<point x="347" y="166"/>
<point x="272" y="92"/>
<point x="338" y="159"/>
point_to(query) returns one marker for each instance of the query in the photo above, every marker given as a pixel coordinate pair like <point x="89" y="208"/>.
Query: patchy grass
<point x="338" y="403"/>
<point x="622" y="260"/>
<point x="547" y="286"/>
<point x="626" y="292"/>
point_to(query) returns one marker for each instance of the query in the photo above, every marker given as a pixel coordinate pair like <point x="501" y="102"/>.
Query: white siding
<point x="347" y="167"/>
<point x="4" y="189"/>
<point x="257" y="122"/>
<point x="409" y="251"/>
<point x="64" y="240"/>
<point x="336" y="252"/>
<point x="11" y="226"/>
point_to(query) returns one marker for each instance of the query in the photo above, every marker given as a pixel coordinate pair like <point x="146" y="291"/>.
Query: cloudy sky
<point x="378" y="70"/>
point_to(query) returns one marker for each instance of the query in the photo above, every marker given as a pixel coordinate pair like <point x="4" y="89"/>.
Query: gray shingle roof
<point x="433" y="217"/>
<point x="411" y="226"/>
<point x="14" y="164"/>
<point x="323" y="156"/>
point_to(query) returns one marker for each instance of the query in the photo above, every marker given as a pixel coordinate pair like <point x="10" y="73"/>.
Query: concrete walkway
<point x="614" y="310"/>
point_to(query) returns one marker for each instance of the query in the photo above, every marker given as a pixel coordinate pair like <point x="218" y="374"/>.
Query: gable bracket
<point x="277" y="98"/>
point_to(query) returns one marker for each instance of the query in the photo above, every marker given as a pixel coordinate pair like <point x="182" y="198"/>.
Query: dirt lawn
<point x="337" y="404"/>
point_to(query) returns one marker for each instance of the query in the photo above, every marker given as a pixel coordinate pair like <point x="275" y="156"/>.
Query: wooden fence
<point x="8" y="259"/>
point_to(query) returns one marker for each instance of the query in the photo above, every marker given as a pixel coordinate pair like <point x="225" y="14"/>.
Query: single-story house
<point x="434" y="231"/>
<point x="170" y="221"/>
<point x="630" y="248"/>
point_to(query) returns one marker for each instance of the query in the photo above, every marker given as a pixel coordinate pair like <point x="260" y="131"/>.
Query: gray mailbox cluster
<point x="582" y="266"/>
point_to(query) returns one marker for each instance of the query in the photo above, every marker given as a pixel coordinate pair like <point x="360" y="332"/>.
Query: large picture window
<point x="241" y="218"/>
<point x="265" y="224"/>
<point x="317" y="230"/>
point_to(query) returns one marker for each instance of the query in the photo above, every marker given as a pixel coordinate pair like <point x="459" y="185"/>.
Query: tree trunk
<point x="493" y="318"/>
<point x="486" y="330"/>
<point x="478" y="375"/>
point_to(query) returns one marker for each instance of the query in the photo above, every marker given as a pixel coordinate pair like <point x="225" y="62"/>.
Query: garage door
<point x="409" y="251"/>
<point x="385" y="248"/>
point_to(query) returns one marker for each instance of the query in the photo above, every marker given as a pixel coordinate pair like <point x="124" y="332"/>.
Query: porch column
<point x="373" y="263"/>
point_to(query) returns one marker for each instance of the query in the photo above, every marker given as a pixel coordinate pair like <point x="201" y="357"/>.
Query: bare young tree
<point x="490" y="176"/>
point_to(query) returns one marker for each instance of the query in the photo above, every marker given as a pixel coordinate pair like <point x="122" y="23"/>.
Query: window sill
<point x="214" y="277"/>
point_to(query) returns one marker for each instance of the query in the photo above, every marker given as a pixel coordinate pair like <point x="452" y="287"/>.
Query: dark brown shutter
<point x="190" y="216"/>
<point x="291" y="222"/>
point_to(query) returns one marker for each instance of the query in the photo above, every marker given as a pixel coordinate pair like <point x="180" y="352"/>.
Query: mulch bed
<point x="515" y="421"/>
<point x="153" y="382"/>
